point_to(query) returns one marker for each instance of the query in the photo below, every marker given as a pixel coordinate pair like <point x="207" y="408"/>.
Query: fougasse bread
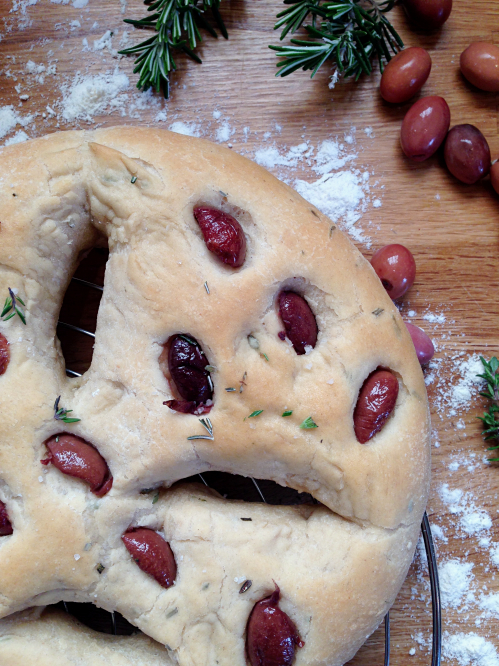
<point x="234" y="313"/>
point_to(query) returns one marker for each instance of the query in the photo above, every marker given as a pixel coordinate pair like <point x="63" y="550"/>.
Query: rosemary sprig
<point x="349" y="33"/>
<point x="61" y="414"/>
<point x="176" y="24"/>
<point x="208" y="426"/>
<point x="11" y="308"/>
<point x="490" y="418"/>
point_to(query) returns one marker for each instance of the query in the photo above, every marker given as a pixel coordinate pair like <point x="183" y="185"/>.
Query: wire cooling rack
<point x="114" y="623"/>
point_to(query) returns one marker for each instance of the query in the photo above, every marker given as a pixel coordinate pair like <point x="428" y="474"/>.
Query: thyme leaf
<point x="11" y="309"/>
<point x="287" y="412"/>
<point x="61" y="414"/>
<point x="308" y="424"/>
<point x="208" y="426"/>
<point x="257" y="412"/>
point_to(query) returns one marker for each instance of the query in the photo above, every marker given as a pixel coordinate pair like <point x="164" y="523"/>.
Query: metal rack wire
<point x="425" y="529"/>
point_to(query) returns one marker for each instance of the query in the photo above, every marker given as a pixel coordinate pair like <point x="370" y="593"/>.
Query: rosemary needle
<point x="349" y="33"/>
<point x="176" y="25"/>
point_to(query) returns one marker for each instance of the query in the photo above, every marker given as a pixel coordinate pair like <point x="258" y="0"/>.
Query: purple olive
<point x="152" y="554"/>
<point x="271" y="636"/>
<point x="222" y="234"/>
<point x="187" y="364"/>
<point x="74" y="456"/>
<point x="298" y="320"/>
<point x="422" y="343"/>
<point x="5" y="524"/>
<point x="467" y="154"/>
<point x="4" y="354"/>
<point x="376" y="401"/>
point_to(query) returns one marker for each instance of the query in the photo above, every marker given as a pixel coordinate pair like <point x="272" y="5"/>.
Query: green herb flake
<point x="264" y="356"/>
<point x="100" y="568"/>
<point x="171" y="613"/>
<point x="308" y="424"/>
<point x="10" y="308"/>
<point x="61" y="414"/>
<point x="134" y="179"/>
<point x="287" y="412"/>
<point x="257" y="412"/>
<point x="230" y="389"/>
<point x="490" y="418"/>
<point x="155" y="498"/>
<point x="378" y="311"/>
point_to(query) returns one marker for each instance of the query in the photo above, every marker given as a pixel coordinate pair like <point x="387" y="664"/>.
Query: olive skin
<point x="480" y="65"/>
<point x="375" y="404"/>
<point x="494" y="176"/>
<point x="152" y="554"/>
<point x="405" y="75"/>
<point x="467" y="154"/>
<point x="5" y="524"/>
<point x="271" y="636"/>
<point x="396" y="268"/>
<point x="424" y="128"/>
<point x="222" y="234"/>
<point x="299" y="321"/>
<point x="422" y="343"/>
<point x="75" y="457"/>
<point x="428" y="14"/>
<point x="4" y="354"/>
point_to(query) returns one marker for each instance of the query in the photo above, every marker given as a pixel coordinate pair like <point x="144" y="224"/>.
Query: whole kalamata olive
<point x="422" y="343"/>
<point x="298" y="320"/>
<point x="405" y="75"/>
<point x="395" y="266"/>
<point x="428" y="14"/>
<point x="187" y="365"/>
<point x="222" y="234"/>
<point x="271" y="636"/>
<point x="5" y="524"/>
<point x="152" y="554"/>
<point x="376" y="401"/>
<point x="4" y="354"/>
<point x="467" y="154"/>
<point x="494" y="176"/>
<point x="480" y="65"/>
<point x="74" y="456"/>
<point x="424" y="127"/>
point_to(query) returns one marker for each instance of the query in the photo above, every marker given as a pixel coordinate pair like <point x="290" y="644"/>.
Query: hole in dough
<point x="79" y="308"/>
<point x="98" y="618"/>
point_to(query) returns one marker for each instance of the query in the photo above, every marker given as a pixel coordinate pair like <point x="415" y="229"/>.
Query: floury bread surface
<point x="339" y="564"/>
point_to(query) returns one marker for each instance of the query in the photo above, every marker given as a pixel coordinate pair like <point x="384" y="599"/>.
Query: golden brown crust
<point x="71" y="188"/>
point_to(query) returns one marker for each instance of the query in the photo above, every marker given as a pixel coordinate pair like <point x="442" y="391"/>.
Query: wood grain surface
<point x="452" y="229"/>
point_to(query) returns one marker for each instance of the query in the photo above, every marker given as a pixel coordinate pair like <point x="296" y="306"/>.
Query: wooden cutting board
<point x="452" y="229"/>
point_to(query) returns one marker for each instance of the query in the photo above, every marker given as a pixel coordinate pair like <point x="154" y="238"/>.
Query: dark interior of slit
<point x="79" y="308"/>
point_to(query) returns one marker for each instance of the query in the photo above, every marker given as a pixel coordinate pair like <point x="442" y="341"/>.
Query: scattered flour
<point x="455" y="578"/>
<point x="469" y="650"/>
<point x="93" y="95"/>
<point x="188" y="129"/>
<point x="10" y="118"/>
<point x="472" y="519"/>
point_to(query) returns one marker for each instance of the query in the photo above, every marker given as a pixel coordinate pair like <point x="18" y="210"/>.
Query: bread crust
<point x="340" y="564"/>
